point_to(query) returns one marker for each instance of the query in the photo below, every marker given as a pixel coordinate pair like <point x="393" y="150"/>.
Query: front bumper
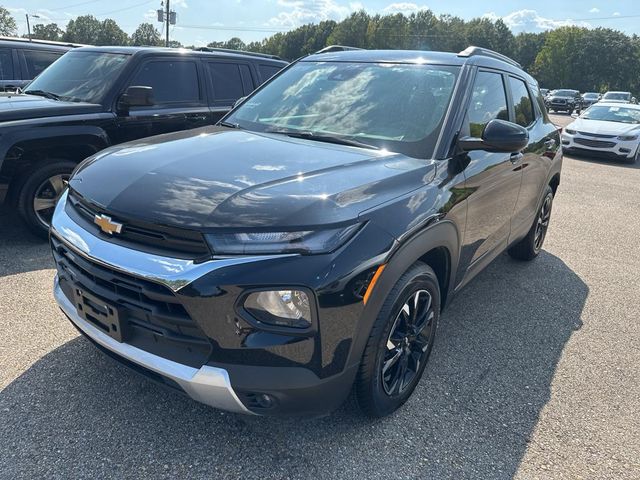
<point x="209" y="385"/>
<point x="599" y="146"/>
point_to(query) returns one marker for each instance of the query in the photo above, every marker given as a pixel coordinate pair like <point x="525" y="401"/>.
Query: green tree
<point x="527" y="45"/>
<point x="8" y="27"/>
<point x="84" y="29"/>
<point x="146" y="34"/>
<point x="352" y="31"/>
<point x="111" y="34"/>
<point x="50" y="31"/>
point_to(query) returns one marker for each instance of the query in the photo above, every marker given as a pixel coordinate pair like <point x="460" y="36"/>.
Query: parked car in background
<point x="618" y="97"/>
<point x="94" y="97"/>
<point x="22" y="60"/>
<point x="589" y="98"/>
<point x="544" y="91"/>
<point x="564" y="100"/>
<point x="607" y="130"/>
<point x="306" y="246"/>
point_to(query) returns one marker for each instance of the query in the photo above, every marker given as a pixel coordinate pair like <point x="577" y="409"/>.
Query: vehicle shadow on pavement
<point x="77" y="413"/>
<point x="20" y="250"/>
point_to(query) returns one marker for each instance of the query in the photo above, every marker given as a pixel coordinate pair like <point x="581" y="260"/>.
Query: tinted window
<point x="37" y="61"/>
<point x="268" y="71"/>
<point x="6" y="65"/>
<point x="521" y="102"/>
<point x="172" y="82"/>
<point x="537" y="94"/>
<point x="488" y="102"/>
<point x="81" y="76"/>
<point x="226" y="81"/>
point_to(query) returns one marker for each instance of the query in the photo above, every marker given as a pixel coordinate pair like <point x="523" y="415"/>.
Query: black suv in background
<point x="308" y="244"/>
<point x="564" y="100"/>
<point x="23" y="60"/>
<point x="94" y="97"/>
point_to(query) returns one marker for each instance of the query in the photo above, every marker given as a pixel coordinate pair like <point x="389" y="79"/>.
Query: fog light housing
<point x="281" y="308"/>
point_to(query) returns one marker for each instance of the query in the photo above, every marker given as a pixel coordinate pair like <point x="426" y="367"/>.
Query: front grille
<point x="558" y="102"/>
<point x="145" y="236"/>
<point x="587" y="142"/>
<point x="596" y="135"/>
<point x="151" y="314"/>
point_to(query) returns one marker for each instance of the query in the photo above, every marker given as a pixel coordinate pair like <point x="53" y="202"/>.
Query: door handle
<point x="516" y="157"/>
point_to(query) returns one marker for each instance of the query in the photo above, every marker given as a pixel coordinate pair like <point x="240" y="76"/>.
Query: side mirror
<point x="239" y="101"/>
<point x="498" y="136"/>
<point x="136" y="96"/>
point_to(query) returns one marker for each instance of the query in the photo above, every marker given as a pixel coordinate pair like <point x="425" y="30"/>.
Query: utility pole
<point x="166" y="18"/>
<point x="29" y="26"/>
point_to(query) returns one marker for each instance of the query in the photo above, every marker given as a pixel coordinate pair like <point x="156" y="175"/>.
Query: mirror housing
<point x="498" y="136"/>
<point x="136" y="96"/>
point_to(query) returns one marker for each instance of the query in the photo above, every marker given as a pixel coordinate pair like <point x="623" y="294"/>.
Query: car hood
<point x="216" y="177"/>
<point x="21" y="107"/>
<point x="600" y="127"/>
<point x="614" y="100"/>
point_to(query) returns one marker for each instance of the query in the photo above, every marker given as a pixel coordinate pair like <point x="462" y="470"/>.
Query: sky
<point x="202" y="21"/>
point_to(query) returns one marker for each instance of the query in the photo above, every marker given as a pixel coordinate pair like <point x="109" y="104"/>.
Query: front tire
<point x="39" y="193"/>
<point x="400" y="342"/>
<point x="530" y="246"/>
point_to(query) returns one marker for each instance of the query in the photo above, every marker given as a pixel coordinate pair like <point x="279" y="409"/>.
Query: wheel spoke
<point x="391" y="362"/>
<point x="40" y="204"/>
<point x="57" y="182"/>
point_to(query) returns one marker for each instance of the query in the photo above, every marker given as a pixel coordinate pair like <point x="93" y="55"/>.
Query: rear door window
<point x="38" y="60"/>
<point x="227" y="81"/>
<point x="522" y="104"/>
<point x="268" y="71"/>
<point x="173" y="81"/>
<point x="6" y="64"/>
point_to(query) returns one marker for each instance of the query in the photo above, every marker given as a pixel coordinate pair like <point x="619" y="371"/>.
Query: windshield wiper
<point x="323" y="138"/>
<point x="42" y="93"/>
<point x="229" y="124"/>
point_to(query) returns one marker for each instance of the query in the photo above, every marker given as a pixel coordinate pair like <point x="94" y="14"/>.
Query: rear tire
<point x="530" y="246"/>
<point x="39" y="193"/>
<point x="400" y="342"/>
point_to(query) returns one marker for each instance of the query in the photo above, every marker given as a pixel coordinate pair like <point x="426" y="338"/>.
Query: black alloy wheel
<point x="530" y="246"/>
<point x="408" y="342"/>
<point x="542" y="224"/>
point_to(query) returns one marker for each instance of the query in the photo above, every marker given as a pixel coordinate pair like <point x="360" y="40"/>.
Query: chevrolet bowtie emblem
<point x="107" y="225"/>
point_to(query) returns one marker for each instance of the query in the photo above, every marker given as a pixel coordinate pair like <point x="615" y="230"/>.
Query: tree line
<point x="586" y="59"/>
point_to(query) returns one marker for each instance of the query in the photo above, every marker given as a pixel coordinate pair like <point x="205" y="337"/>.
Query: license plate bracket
<point x="99" y="313"/>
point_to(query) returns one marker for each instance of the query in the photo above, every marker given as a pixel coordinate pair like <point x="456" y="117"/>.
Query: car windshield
<point x="617" y="96"/>
<point x="590" y="95"/>
<point x="612" y="114"/>
<point x="565" y="93"/>
<point x="80" y="76"/>
<point x="398" y="107"/>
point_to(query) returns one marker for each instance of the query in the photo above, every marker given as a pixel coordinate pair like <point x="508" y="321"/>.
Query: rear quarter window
<point x="6" y="64"/>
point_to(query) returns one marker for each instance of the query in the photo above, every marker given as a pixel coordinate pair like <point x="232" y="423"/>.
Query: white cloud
<point x="616" y="14"/>
<point x="405" y="8"/>
<point x="530" y="21"/>
<point x="594" y="10"/>
<point x="300" y="12"/>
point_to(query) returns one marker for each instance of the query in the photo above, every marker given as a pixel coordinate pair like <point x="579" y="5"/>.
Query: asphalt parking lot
<point x="535" y="374"/>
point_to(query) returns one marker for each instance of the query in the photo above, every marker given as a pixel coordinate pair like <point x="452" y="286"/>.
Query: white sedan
<point x="609" y="130"/>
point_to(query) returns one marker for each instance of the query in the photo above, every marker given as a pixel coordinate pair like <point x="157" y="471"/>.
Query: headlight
<point x="569" y="131"/>
<point x="309" y="241"/>
<point x="627" y="138"/>
<point x="281" y="308"/>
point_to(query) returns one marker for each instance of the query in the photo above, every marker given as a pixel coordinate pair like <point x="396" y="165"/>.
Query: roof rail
<point x="337" y="48"/>
<point x="485" y="52"/>
<point x="238" y="52"/>
<point x="44" y="42"/>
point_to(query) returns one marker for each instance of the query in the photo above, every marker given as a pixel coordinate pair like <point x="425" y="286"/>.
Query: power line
<point x="72" y="6"/>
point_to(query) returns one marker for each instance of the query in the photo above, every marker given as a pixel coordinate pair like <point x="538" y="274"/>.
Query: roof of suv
<point x="420" y="57"/>
<point x="36" y="43"/>
<point x="181" y="51"/>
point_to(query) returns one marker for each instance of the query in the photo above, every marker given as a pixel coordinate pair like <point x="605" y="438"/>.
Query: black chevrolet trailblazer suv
<point x="306" y="246"/>
<point x="95" y="97"/>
